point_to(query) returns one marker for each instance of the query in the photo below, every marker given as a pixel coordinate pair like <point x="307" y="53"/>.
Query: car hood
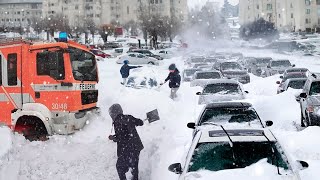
<point x="210" y="98"/>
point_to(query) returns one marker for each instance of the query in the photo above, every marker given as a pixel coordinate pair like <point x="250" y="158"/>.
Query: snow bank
<point x="5" y="141"/>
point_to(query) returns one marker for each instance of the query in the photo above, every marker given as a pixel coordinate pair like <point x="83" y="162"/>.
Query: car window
<point x="222" y="88"/>
<point x="297" y="84"/>
<point x="208" y="75"/>
<point x="229" y="115"/>
<point x="132" y="55"/>
<point x="221" y="156"/>
<point x="285" y="63"/>
<point x="140" y="56"/>
<point x="315" y="88"/>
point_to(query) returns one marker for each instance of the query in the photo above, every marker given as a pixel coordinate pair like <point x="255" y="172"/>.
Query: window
<point x="0" y="70"/>
<point x="291" y="6"/>
<point x="128" y="10"/>
<point x="51" y="64"/>
<point x="12" y="70"/>
<point x="76" y="7"/>
<point x="291" y="15"/>
<point x="257" y="6"/>
<point x="269" y="6"/>
<point x="318" y="2"/>
<point x="308" y="11"/>
<point x="307" y="2"/>
<point x="279" y="15"/>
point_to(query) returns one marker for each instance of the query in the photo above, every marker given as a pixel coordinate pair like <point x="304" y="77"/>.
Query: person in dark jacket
<point x="125" y="71"/>
<point x="174" y="79"/>
<point x="128" y="141"/>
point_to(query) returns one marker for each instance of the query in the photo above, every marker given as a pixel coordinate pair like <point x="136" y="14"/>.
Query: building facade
<point x="288" y="15"/>
<point x="19" y="13"/>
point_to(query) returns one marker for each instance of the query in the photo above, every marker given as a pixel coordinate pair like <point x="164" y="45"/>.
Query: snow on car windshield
<point x="222" y="88"/>
<point x="229" y="115"/>
<point x="285" y="63"/>
<point x="297" y="84"/>
<point x="241" y="155"/>
<point x="231" y="66"/>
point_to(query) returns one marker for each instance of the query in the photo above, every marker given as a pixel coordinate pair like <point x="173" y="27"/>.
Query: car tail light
<point x="310" y="109"/>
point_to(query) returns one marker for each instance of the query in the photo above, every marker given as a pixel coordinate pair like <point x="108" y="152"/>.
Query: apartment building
<point x="289" y="15"/>
<point x="19" y="13"/>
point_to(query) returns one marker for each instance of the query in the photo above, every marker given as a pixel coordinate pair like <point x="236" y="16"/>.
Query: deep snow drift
<point x="88" y="154"/>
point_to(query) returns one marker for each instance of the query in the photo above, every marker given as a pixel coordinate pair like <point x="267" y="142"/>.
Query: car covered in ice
<point x="233" y="70"/>
<point x="230" y="114"/>
<point x="201" y="78"/>
<point x="221" y="90"/>
<point x="256" y="65"/>
<point x="310" y="102"/>
<point x="143" y="77"/>
<point x="221" y="153"/>
<point x="278" y="67"/>
<point x="294" y="83"/>
<point x="137" y="58"/>
<point x="188" y="74"/>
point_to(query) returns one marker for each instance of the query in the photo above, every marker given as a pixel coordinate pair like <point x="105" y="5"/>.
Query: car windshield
<point x="221" y="156"/>
<point x="222" y="115"/>
<point x="222" y="88"/>
<point x="294" y="75"/>
<point x="210" y="60"/>
<point x="190" y="72"/>
<point x="296" y="70"/>
<point x="231" y="66"/>
<point x="285" y="63"/>
<point x="208" y="75"/>
<point x="83" y="65"/>
<point x="315" y="88"/>
<point x="296" y="84"/>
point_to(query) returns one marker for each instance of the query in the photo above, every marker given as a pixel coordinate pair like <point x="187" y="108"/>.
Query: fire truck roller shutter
<point x="37" y="110"/>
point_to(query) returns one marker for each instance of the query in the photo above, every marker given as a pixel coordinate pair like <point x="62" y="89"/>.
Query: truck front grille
<point x="89" y="97"/>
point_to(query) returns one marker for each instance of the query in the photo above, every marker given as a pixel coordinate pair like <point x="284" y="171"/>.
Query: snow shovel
<point x="158" y="88"/>
<point x="153" y="116"/>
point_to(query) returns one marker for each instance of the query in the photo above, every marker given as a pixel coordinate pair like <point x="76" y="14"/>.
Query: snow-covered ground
<point x="88" y="154"/>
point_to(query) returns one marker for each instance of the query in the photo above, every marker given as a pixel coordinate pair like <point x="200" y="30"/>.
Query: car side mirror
<point x="269" y="123"/>
<point x="247" y="92"/>
<point x="191" y="125"/>
<point x="281" y="77"/>
<point x="198" y="93"/>
<point x="303" y="95"/>
<point x="278" y="82"/>
<point x="176" y="168"/>
<point x="293" y="65"/>
<point x="302" y="164"/>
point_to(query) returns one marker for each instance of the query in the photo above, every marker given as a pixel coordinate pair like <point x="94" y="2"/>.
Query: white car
<point x="137" y="58"/>
<point x="165" y="54"/>
<point x="221" y="90"/>
<point x="201" y="78"/>
<point x="219" y="153"/>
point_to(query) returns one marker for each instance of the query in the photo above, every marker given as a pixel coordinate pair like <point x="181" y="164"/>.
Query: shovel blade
<point x="153" y="116"/>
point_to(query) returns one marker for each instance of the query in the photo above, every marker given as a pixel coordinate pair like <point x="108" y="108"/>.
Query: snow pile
<point x="5" y="141"/>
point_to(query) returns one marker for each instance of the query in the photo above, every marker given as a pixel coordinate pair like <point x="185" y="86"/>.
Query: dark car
<point x="147" y="53"/>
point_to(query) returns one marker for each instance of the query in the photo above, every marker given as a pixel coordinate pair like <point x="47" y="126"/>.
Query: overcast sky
<point x="193" y="3"/>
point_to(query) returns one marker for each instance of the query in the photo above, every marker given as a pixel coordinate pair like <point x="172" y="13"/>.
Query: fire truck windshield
<point x="83" y="65"/>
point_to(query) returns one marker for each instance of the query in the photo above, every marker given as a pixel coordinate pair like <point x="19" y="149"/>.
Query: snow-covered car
<point x="295" y="70"/>
<point x="256" y="65"/>
<point x="230" y="114"/>
<point x="188" y="74"/>
<point x="310" y="102"/>
<point x="278" y="67"/>
<point x="202" y="78"/>
<point x="291" y="76"/>
<point x="143" y="77"/>
<point x="221" y="90"/>
<point x="196" y="65"/>
<point x="233" y="70"/>
<point x="210" y="60"/>
<point x="220" y="153"/>
<point x="194" y="60"/>
<point x="294" y="83"/>
<point x="137" y="58"/>
<point x="165" y="54"/>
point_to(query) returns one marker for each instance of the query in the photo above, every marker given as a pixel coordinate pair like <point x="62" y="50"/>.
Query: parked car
<point x="147" y="53"/>
<point x="202" y="78"/>
<point x="310" y="102"/>
<point x="100" y="55"/>
<point x="111" y="45"/>
<point x="294" y="83"/>
<point x="296" y="70"/>
<point x="218" y="151"/>
<point x="256" y="65"/>
<point x="194" y="60"/>
<point x="291" y="76"/>
<point x="196" y="65"/>
<point x="229" y="113"/>
<point x="221" y="90"/>
<point x="136" y="58"/>
<point x="278" y="67"/>
<point x="165" y="54"/>
<point x="210" y="60"/>
<point x="187" y="74"/>
<point x="233" y="70"/>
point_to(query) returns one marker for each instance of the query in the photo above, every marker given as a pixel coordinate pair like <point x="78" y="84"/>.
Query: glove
<point x="161" y="84"/>
<point x="111" y="137"/>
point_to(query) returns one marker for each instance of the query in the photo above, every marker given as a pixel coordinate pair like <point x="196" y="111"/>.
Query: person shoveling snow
<point x="174" y="79"/>
<point x="125" y="71"/>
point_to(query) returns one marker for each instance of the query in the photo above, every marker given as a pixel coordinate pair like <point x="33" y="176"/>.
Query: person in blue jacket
<point x="125" y="71"/>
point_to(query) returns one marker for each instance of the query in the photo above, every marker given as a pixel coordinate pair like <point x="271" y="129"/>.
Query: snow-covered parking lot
<point x="88" y="154"/>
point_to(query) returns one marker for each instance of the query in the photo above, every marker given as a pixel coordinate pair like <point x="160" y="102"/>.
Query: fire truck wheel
<point x="32" y="128"/>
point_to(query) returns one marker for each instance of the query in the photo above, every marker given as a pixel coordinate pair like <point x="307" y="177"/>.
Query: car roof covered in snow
<point x="228" y="105"/>
<point x="217" y="134"/>
<point x="225" y="81"/>
<point x="211" y="71"/>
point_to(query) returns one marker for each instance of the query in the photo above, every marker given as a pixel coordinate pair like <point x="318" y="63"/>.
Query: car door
<point x="132" y="58"/>
<point x="142" y="59"/>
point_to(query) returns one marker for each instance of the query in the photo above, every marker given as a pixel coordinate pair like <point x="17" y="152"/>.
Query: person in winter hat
<point x="174" y="79"/>
<point x="125" y="71"/>
<point x="128" y="141"/>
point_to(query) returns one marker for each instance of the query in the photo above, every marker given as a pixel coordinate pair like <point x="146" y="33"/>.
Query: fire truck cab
<point x="46" y="88"/>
